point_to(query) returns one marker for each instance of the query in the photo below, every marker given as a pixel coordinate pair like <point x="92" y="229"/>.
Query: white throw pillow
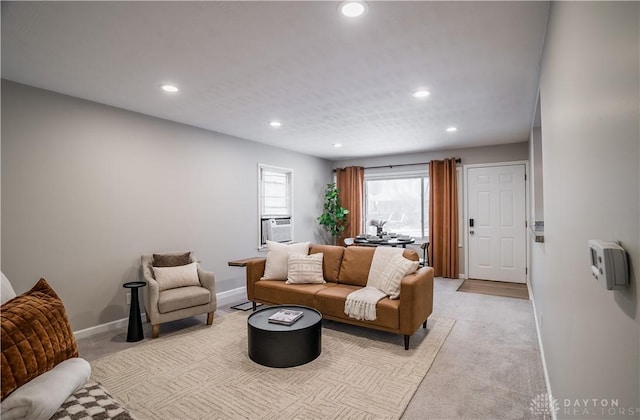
<point x="180" y="276"/>
<point x="6" y="292"/>
<point x="393" y="274"/>
<point x="305" y="268"/>
<point x="278" y="256"/>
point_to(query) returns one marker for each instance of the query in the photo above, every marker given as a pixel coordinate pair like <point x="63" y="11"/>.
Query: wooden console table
<point x="243" y="262"/>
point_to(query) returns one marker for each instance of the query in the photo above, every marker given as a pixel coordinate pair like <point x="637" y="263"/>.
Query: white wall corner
<point x="544" y="361"/>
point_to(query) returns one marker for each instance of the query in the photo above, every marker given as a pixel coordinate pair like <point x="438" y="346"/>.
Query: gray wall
<point x="87" y="189"/>
<point x="589" y="93"/>
<point x="473" y="155"/>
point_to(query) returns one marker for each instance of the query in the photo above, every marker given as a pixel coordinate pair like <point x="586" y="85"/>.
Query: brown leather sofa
<point x="346" y="270"/>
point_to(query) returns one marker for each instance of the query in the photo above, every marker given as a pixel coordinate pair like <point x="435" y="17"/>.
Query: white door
<point x="496" y="223"/>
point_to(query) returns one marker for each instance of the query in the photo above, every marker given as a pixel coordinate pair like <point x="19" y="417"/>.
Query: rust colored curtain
<point x="350" y="182"/>
<point x="443" y="218"/>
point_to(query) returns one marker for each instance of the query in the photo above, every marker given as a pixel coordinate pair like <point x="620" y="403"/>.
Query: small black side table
<point x="134" y="333"/>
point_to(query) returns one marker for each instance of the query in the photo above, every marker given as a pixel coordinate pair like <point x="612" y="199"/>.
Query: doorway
<point x="496" y="222"/>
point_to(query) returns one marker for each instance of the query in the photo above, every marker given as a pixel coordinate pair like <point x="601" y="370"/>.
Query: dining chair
<point x="424" y="261"/>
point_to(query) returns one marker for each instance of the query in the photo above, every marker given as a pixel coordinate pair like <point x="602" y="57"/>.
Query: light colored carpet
<point x="205" y="373"/>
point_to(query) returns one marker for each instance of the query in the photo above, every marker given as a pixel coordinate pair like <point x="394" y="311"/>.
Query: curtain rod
<point x="458" y="160"/>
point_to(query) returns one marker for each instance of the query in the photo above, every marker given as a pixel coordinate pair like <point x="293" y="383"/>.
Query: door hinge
<point x="526" y="270"/>
<point x="525" y="177"/>
<point x="525" y="224"/>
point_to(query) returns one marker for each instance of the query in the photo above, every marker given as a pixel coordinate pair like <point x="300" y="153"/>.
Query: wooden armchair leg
<point x="209" y="318"/>
<point x="155" y="330"/>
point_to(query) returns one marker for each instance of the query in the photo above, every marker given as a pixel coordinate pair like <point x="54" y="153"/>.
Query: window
<point x="275" y="190"/>
<point x="401" y="199"/>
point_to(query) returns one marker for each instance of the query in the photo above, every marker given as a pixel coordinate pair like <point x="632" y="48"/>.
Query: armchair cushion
<point x="182" y="297"/>
<point x="171" y="260"/>
<point x="179" y="276"/>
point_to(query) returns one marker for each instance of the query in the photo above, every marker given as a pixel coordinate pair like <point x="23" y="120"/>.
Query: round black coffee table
<point x="282" y="346"/>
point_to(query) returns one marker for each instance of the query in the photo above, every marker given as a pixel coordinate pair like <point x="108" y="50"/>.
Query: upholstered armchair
<point x="176" y="290"/>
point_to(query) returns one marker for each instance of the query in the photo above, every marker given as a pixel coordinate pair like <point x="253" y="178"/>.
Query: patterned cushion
<point x="36" y="336"/>
<point x="397" y="268"/>
<point x="180" y="276"/>
<point x="305" y="268"/>
<point x="171" y="260"/>
<point x="91" y="402"/>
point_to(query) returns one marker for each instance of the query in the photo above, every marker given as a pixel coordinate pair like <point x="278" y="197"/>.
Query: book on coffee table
<point x="285" y="317"/>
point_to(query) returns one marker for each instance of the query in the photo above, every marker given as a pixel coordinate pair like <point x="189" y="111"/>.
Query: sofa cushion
<point x="410" y="254"/>
<point x="36" y="336"/>
<point x="330" y="301"/>
<point x="171" y="260"/>
<point x="275" y="291"/>
<point x="277" y="257"/>
<point x="331" y="261"/>
<point x="304" y="269"/>
<point x="356" y="263"/>
<point x="179" y="276"/>
<point x="182" y="297"/>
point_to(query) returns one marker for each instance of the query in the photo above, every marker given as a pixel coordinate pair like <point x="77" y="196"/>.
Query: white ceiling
<point x="328" y="78"/>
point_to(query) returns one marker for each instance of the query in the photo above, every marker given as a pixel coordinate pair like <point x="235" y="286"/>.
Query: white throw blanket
<point x="41" y="397"/>
<point x="361" y="304"/>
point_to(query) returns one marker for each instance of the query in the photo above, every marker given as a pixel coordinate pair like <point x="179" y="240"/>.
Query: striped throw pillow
<point x="305" y="268"/>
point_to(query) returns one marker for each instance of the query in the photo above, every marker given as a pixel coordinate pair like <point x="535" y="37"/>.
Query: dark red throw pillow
<point x="36" y="336"/>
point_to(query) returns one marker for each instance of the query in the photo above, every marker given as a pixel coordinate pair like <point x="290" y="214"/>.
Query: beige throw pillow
<point x="276" y="266"/>
<point x="305" y="268"/>
<point x="394" y="272"/>
<point x="180" y="276"/>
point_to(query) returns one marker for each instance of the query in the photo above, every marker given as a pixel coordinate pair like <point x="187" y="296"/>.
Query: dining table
<point x="377" y="241"/>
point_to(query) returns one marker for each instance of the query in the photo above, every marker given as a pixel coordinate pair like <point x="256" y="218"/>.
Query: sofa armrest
<point x="255" y="271"/>
<point x="208" y="281"/>
<point x="416" y="299"/>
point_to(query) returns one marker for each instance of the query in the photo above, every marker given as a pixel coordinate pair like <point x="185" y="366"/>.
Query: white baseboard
<point x="232" y="296"/>
<point x="462" y="276"/>
<point x="223" y="298"/>
<point x="544" y="361"/>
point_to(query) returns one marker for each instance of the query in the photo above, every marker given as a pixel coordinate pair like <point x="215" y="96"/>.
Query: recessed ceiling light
<point x="337" y="145"/>
<point x="170" y="88"/>
<point x="452" y="129"/>
<point x="421" y="93"/>
<point x="275" y="123"/>
<point x="352" y="8"/>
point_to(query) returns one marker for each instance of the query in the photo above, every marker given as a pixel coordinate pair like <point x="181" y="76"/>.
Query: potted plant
<point x="334" y="216"/>
<point x="379" y="224"/>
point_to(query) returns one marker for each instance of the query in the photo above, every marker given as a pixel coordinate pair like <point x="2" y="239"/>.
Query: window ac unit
<point x="279" y="230"/>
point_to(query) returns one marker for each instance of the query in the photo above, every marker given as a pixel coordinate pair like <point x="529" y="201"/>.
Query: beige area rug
<point x="205" y="373"/>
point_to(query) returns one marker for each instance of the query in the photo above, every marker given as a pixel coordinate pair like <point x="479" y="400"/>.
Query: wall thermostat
<point x="609" y="264"/>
